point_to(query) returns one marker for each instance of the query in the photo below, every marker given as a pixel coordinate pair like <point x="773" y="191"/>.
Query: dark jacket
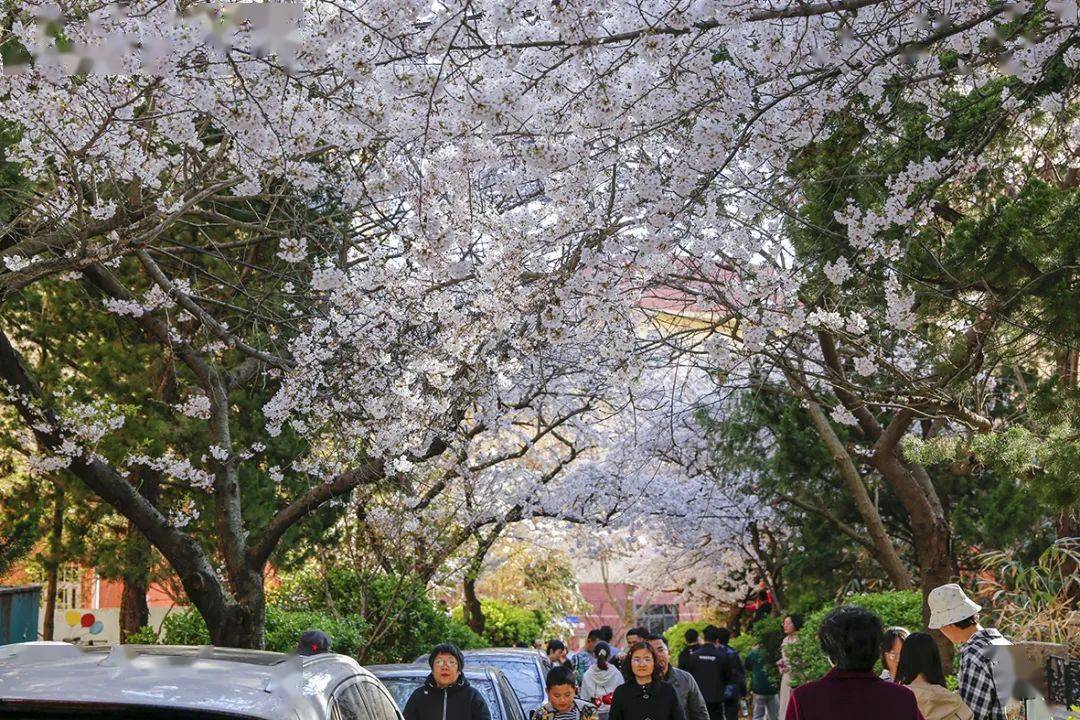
<point x="657" y="701"/>
<point x="852" y="695"/>
<point x="733" y="673"/>
<point x="710" y="668"/>
<point x="460" y="701"/>
<point x="686" y="657"/>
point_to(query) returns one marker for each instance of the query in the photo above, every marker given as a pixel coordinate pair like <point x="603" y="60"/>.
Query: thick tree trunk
<point x="56" y="532"/>
<point x="134" y="609"/>
<point x="474" y="612"/>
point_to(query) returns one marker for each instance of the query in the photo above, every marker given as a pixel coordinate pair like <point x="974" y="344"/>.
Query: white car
<point x="52" y="680"/>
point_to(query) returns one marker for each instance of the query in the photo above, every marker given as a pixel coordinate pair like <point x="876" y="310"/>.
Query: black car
<point x="525" y="669"/>
<point x="402" y="680"/>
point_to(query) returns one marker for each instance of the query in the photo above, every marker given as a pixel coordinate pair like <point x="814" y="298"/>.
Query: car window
<point x="516" y="710"/>
<point x="524" y="677"/>
<point x="347" y="703"/>
<point x="401" y="688"/>
<point x="378" y="703"/>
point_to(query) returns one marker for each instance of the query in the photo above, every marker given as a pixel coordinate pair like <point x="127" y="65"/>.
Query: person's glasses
<point x="445" y="663"/>
<point x="641" y="660"/>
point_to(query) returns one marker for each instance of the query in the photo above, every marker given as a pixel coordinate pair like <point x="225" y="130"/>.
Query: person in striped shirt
<point x="562" y="703"/>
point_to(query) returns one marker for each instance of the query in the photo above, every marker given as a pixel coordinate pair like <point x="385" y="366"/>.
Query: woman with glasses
<point x="644" y="696"/>
<point x="893" y="643"/>
<point x="446" y="694"/>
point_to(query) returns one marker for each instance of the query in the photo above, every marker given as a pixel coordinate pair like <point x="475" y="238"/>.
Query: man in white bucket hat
<point x="956" y="616"/>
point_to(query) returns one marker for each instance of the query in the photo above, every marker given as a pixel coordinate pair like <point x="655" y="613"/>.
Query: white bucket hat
<point x="948" y="604"/>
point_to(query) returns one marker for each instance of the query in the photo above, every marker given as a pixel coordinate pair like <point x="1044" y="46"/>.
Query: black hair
<point x="638" y="632"/>
<point x="560" y="675"/>
<point x="920" y="656"/>
<point x="711" y="634"/>
<point x="653" y="636"/>
<point x="555" y="645"/>
<point x="796" y="620"/>
<point x="691" y="635"/>
<point x="593" y="635"/>
<point x="851" y="637"/>
<point x="966" y="622"/>
<point x="447" y="649"/>
<point x="628" y="666"/>
<point x="606" y="633"/>
<point x="723" y="635"/>
<point x="889" y="638"/>
<point x="603" y="652"/>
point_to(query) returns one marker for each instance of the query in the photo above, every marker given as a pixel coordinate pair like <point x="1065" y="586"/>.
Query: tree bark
<point x="56" y="531"/>
<point x="883" y="550"/>
<point x="474" y="612"/>
<point x="134" y="608"/>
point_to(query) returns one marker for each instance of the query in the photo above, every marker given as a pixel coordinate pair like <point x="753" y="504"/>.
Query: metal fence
<point x="1063" y="680"/>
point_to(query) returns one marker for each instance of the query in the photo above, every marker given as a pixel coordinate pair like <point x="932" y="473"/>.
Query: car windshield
<point x="401" y="688"/>
<point x="522" y="674"/>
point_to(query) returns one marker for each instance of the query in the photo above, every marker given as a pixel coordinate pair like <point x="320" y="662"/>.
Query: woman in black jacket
<point x="644" y="696"/>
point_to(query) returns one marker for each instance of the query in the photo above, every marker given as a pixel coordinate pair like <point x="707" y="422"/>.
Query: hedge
<point x="903" y="608"/>
<point x="349" y="633"/>
<point x="508" y="625"/>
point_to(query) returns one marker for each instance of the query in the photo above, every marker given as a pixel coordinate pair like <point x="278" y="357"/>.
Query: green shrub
<point x="143" y="636"/>
<point x="348" y="633"/>
<point x="184" y="627"/>
<point x="743" y="643"/>
<point x="674" y="636"/>
<point x="401" y="620"/>
<point x="895" y="608"/>
<point x="506" y="625"/>
<point x="283" y="629"/>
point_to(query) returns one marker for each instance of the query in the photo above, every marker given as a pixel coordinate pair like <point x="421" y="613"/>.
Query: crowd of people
<point x="712" y="682"/>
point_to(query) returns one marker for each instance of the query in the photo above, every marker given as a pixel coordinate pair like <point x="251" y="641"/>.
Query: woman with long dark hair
<point x="920" y="669"/>
<point x="600" y="680"/>
<point x="644" y="696"/>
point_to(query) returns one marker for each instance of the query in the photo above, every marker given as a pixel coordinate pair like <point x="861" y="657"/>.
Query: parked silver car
<point x="40" y="680"/>
<point x="403" y="680"/>
<point x="526" y="670"/>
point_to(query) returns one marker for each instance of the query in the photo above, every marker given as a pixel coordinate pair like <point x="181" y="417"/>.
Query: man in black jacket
<point x="734" y="674"/>
<point x="446" y="694"/>
<point x="710" y="669"/>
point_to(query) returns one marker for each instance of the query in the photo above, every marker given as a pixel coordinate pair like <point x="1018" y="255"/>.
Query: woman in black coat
<point x="644" y="696"/>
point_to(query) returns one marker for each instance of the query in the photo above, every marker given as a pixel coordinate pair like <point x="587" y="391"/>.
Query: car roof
<point x="403" y="670"/>
<point x="225" y="680"/>
<point x="502" y="653"/>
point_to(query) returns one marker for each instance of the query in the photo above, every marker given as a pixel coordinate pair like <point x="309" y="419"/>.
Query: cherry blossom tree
<point x="428" y="201"/>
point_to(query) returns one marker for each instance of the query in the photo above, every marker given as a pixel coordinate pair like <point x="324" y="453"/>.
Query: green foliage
<point x="743" y="643"/>
<point x="807" y="661"/>
<point x="283" y="628"/>
<point x="145" y="635"/>
<point x="400" y="619"/>
<point x="21" y="511"/>
<point x="184" y="627"/>
<point x="506" y="625"/>
<point x="674" y="635"/>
